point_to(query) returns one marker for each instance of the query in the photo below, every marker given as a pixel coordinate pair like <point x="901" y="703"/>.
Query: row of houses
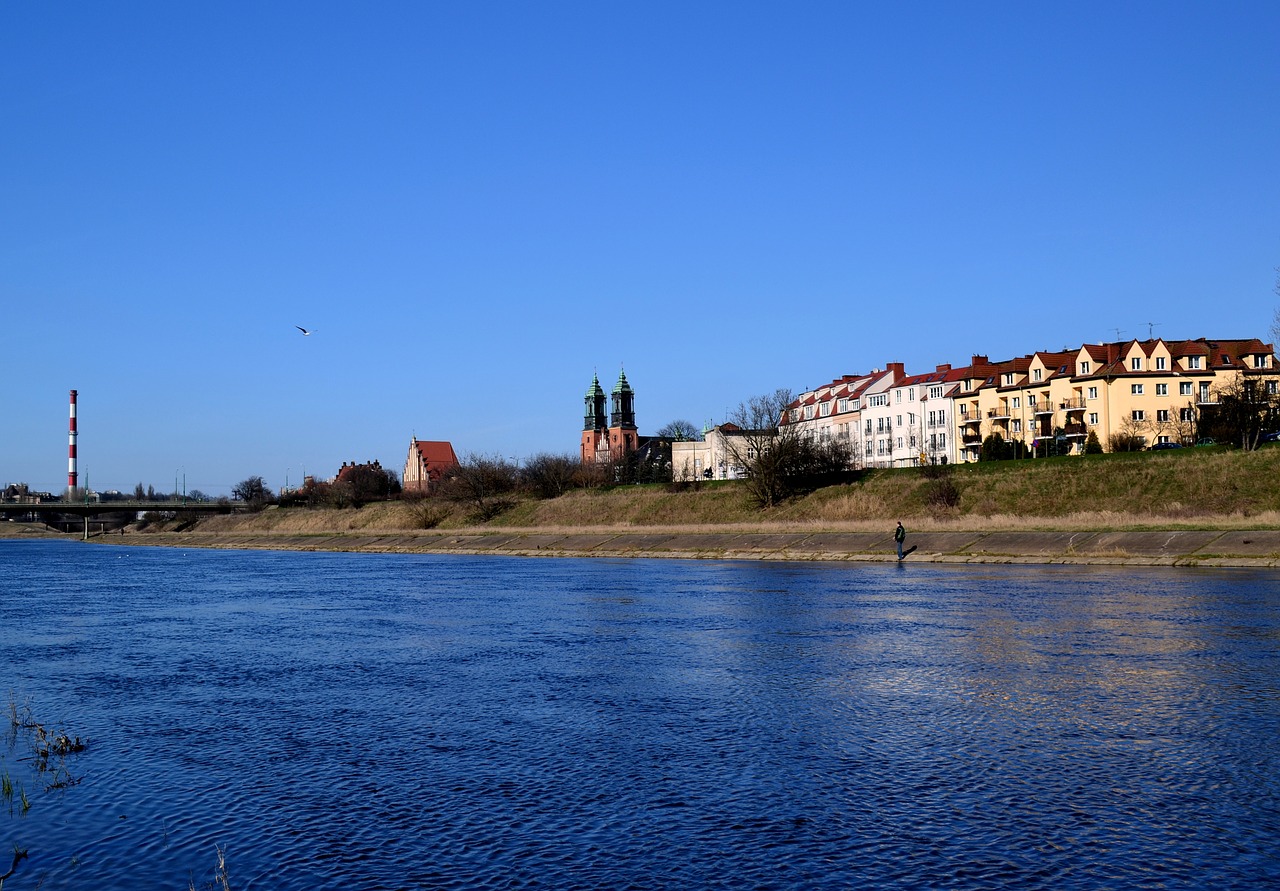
<point x="1153" y="390"/>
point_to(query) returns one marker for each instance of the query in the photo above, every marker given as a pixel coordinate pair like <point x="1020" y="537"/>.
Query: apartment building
<point x="1152" y="391"/>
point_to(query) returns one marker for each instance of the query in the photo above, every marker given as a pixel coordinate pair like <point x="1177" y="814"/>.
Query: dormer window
<point x="1035" y="374"/>
<point x="1135" y="364"/>
<point x="1084" y="367"/>
<point x="1193" y="362"/>
<point x="1008" y="379"/>
<point x="1160" y="363"/>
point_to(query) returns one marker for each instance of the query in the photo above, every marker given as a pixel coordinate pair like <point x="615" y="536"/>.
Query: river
<point x="348" y="721"/>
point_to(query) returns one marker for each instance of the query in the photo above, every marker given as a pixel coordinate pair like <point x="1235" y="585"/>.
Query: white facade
<point x="710" y="459"/>
<point x="878" y="433"/>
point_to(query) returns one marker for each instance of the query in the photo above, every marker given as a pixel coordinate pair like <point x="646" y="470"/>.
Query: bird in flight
<point x="305" y="332"/>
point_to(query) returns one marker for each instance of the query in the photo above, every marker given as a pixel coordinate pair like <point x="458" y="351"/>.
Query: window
<point x="1008" y="379"/>
<point x="826" y="409"/>
<point x="1187" y="414"/>
<point x="935" y="392"/>
<point x="1093" y="392"/>
<point x="897" y="396"/>
<point x="1193" y="362"/>
<point x="808" y="412"/>
<point x="1272" y="388"/>
<point x="1135" y="364"/>
<point x="1084" y="367"/>
<point x="942" y="415"/>
<point x="1184" y="388"/>
<point x="1031" y="400"/>
<point x="868" y="427"/>
<point x="878" y="400"/>
<point x="842" y="406"/>
<point x="1162" y="439"/>
<point x="911" y="394"/>
<point x="1162" y="389"/>
<point x="942" y="440"/>
<point x="795" y="414"/>
<point x="1017" y="402"/>
<point x="1135" y="389"/>
<point x="1093" y="418"/>
<point x="1139" y="414"/>
<point x="1035" y="374"/>
<point x="899" y="420"/>
<point x="1017" y="425"/>
<point x="1162" y="416"/>
<point x="1160" y="363"/>
<point x="1204" y="392"/>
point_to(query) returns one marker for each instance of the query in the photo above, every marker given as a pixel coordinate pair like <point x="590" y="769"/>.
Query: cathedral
<point x="610" y="437"/>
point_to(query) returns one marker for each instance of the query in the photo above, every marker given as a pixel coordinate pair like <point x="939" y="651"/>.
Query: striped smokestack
<point x="71" y="446"/>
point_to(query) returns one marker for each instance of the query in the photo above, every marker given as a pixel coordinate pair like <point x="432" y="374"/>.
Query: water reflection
<point x="356" y="721"/>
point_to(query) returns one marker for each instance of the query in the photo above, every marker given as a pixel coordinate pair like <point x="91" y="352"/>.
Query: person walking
<point x="899" y="536"/>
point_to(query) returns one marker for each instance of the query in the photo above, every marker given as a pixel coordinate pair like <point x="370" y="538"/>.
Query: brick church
<point x="611" y="437"/>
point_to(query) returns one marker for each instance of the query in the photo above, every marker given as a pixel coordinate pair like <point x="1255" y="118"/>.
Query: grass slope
<point x="1189" y="488"/>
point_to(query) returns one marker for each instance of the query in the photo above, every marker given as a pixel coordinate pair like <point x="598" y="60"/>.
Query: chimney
<point x="944" y="367"/>
<point x="71" y="446"/>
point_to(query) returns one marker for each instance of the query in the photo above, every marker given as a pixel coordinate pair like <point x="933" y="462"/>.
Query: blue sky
<point x="479" y="205"/>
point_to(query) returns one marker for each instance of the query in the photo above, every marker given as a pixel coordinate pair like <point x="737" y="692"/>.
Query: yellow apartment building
<point x="1152" y="391"/>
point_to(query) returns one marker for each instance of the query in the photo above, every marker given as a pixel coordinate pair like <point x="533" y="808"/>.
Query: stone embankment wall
<point x="1159" y="548"/>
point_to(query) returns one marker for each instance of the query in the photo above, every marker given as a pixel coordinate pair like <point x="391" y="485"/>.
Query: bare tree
<point x="1247" y="405"/>
<point x="1130" y="436"/>
<point x="1184" y="424"/>
<point x="550" y="476"/>
<point x="1275" y="320"/>
<point x="763" y="447"/>
<point x="679" y="430"/>
<point x="780" y="460"/>
<point x="253" y="491"/>
<point x="484" y="481"/>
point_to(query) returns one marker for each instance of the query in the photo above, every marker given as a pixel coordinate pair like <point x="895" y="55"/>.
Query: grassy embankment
<point x="1182" y="489"/>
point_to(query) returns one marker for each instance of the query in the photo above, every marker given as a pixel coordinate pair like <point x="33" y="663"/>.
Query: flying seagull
<point x="305" y="332"/>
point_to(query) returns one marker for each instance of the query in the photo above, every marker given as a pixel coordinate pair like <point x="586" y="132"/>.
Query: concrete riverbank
<point x="1155" y="548"/>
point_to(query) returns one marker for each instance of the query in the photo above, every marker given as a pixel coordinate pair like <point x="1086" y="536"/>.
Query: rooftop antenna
<point x="1151" y="327"/>
<point x="1118" y="333"/>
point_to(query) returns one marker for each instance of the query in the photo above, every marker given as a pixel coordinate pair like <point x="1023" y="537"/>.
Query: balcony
<point x="1076" y="404"/>
<point x="967" y="418"/>
<point x="1043" y="408"/>
<point x="972" y="438"/>
<point x="1075" y="431"/>
<point x="999" y="414"/>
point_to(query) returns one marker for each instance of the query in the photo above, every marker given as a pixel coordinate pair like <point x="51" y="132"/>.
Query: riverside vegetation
<point x="45" y="752"/>
<point x="1193" y="488"/>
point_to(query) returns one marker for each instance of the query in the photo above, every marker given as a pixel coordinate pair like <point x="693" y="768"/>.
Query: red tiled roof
<point x="436" y="453"/>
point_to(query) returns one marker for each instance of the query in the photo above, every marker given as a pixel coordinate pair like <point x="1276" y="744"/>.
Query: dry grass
<point x="1194" y="488"/>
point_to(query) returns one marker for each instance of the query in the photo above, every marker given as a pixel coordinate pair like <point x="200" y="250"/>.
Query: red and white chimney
<point x="71" y="446"/>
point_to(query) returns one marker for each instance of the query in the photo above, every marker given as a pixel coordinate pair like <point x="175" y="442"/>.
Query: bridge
<point x="94" y="508"/>
<point x="63" y="514"/>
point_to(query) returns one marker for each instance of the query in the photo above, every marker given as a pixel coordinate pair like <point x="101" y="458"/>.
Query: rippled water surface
<point x="357" y="721"/>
